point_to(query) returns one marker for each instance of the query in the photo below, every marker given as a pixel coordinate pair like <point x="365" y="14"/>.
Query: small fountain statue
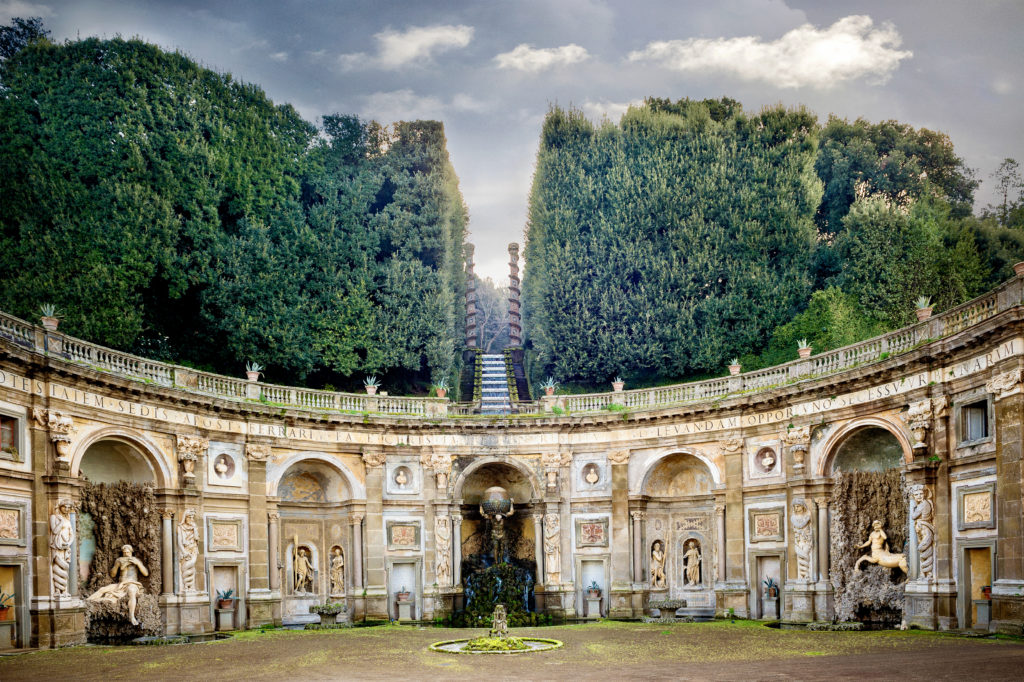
<point x="499" y="623"/>
<point x="880" y="553"/>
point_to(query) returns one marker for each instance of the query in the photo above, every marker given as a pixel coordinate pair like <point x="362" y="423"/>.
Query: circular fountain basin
<point x="457" y="646"/>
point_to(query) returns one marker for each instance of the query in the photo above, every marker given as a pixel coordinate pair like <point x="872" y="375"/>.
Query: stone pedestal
<point x="405" y="610"/>
<point x="931" y="605"/>
<point x="824" y="603"/>
<point x="263" y="608"/>
<point x="188" y="614"/>
<point x="593" y="608"/>
<point x="770" y="608"/>
<point x="732" y="595"/>
<point x="983" y="607"/>
<point x="799" y="602"/>
<point x="1007" y="606"/>
<point x="57" y="623"/>
<point x="8" y="637"/>
<point x="225" y="619"/>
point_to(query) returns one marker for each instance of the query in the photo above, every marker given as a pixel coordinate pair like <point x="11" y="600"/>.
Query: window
<point x="8" y="436"/>
<point x="974" y="421"/>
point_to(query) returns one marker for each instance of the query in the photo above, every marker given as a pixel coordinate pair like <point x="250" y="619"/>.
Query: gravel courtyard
<point x="613" y="651"/>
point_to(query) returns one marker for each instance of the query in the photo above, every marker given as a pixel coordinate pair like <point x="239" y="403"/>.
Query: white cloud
<point x="464" y="102"/>
<point x="1002" y="85"/>
<point x="19" y="8"/>
<point x="806" y="56"/>
<point x="279" y="56"/>
<point x="605" y="108"/>
<point x="398" y="48"/>
<point x="535" y="60"/>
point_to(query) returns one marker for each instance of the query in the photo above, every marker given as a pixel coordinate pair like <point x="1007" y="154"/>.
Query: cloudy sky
<point x="491" y="69"/>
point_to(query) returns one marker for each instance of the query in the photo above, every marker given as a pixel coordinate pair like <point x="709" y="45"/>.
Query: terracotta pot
<point x="1018" y="269"/>
<point x="804" y="352"/>
<point x="735" y="369"/>
<point x="5" y="612"/>
<point x="923" y="313"/>
<point x="225" y="603"/>
<point x="403" y="596"/>
<point x="773" y="593"/>
<point x="549" y="390"/>
<point x="593" y="594"/>
<point x="51" y="323"/>
<point x="253" y="376"/>
<point x="442" y="392"/>
<point x="371" y="390"/>
<point x="618" y="386"/>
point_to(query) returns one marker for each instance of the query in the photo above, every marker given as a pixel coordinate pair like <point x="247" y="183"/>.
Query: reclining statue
<point x="126" y="572"/>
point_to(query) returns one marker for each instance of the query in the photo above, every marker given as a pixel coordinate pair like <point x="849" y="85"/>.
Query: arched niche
<point x="509" y="474"/>
<point x="110" y="461"/>
<point x="312" y="480"/>
<point x="870" y="446"/>
<point x="678" y="475"/>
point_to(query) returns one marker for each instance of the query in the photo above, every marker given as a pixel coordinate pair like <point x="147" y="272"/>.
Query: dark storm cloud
<point x="490" y="70"/>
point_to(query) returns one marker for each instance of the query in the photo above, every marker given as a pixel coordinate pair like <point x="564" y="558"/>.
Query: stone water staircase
<point x="494" y="393"/>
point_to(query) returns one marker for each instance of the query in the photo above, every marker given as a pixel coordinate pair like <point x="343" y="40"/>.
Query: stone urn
<point x="549" y="390"/>
<point x="617" y="386"/>
<point x="371" y="390"/>
<point x="734" y="369"/>
<point x="442" y="392"/>
<point x="252" y="376"/>
<point x="805" y="352"/>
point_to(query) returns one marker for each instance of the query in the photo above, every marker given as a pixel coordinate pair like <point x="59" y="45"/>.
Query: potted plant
<point x="6" y="603"/>
<point x="329" y="608"/>
<point x="225" y="600"/>
<point x="618" y="384"/>
<point x="371" y="383"/>
<point x="803" y="347"/>
<point x="924" y="308"/>
<point x="51" y="316"/>
<point x="404" y="594"/>
<point x="594" y="591"/>
<point x="441" y="387"/>
<point x="549" y="386"/>
<point x="986" y="592"/>
<point x="734" y="366"/>
<point x="253" y="371"/>
<point x="771" y="588"/>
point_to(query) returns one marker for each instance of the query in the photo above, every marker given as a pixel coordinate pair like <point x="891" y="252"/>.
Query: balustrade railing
<point x="55" y="344"/>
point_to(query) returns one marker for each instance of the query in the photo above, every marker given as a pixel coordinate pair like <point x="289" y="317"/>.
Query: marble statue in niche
<point x="402" y="478"/>
<point x="552" y="549"/>
<point x="62" y="539"/>
<point x="921" y="513"/>
<point x="126" y="572"/>
<point x="224" y="466"/>
<point x="303" y="571"/>
<point x="880" y="553"/>
<point x="188" y="550"/>
<point x="657" y="565"/>
<point x="337" y="571"/>
<point x="800" y="519"/>
<point x="591" y="474"/>
<point x="692" y="559"/>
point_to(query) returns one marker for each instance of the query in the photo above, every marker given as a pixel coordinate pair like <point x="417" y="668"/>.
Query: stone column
<point x="821" y="565"/>
<point x="274" y="545"/>
<point x="720" y="527"/>
<point x="538" y="546"/>
<point x="456" y="550"/>
<point x="638" y="546"/>
<point x="357" y="551"/>
<point x="167" y="551"/>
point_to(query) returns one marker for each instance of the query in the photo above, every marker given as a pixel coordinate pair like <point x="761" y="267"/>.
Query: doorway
<point x="403" y="579"/>
<point x="769" y="566"/>
<point x="977" y="573"/>
<point x="591" y="572"/>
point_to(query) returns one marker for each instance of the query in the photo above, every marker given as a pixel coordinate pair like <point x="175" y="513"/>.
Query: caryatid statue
<point x="802" y="542"/>
<point x="337" y="572"/>
<point x="552" y="550"/>
<point x="657" y="565"/>
<point x="125" y="571"/>
<point x="880" y="553"/>
<point x="62" y="540"/>
<point x="922" y="513"/>
<point x="443" y="550"/>
<point x="188" y="550"/>
<point x="692" y="559"/>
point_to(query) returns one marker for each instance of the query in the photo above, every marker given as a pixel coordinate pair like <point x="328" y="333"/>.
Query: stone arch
<point x="834" y="442"/>
<point x="150" y="453"/>
<point x="511" y="462"/>
<point x="650" y="466"/>
<point x="350" y="489"/>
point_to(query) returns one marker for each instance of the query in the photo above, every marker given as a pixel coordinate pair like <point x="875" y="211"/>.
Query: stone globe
<point x="496" y="500"/>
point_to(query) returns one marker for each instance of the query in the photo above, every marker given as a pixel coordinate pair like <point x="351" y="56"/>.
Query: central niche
<point x="679" y="475"/>
<point x="311" y="480"/>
